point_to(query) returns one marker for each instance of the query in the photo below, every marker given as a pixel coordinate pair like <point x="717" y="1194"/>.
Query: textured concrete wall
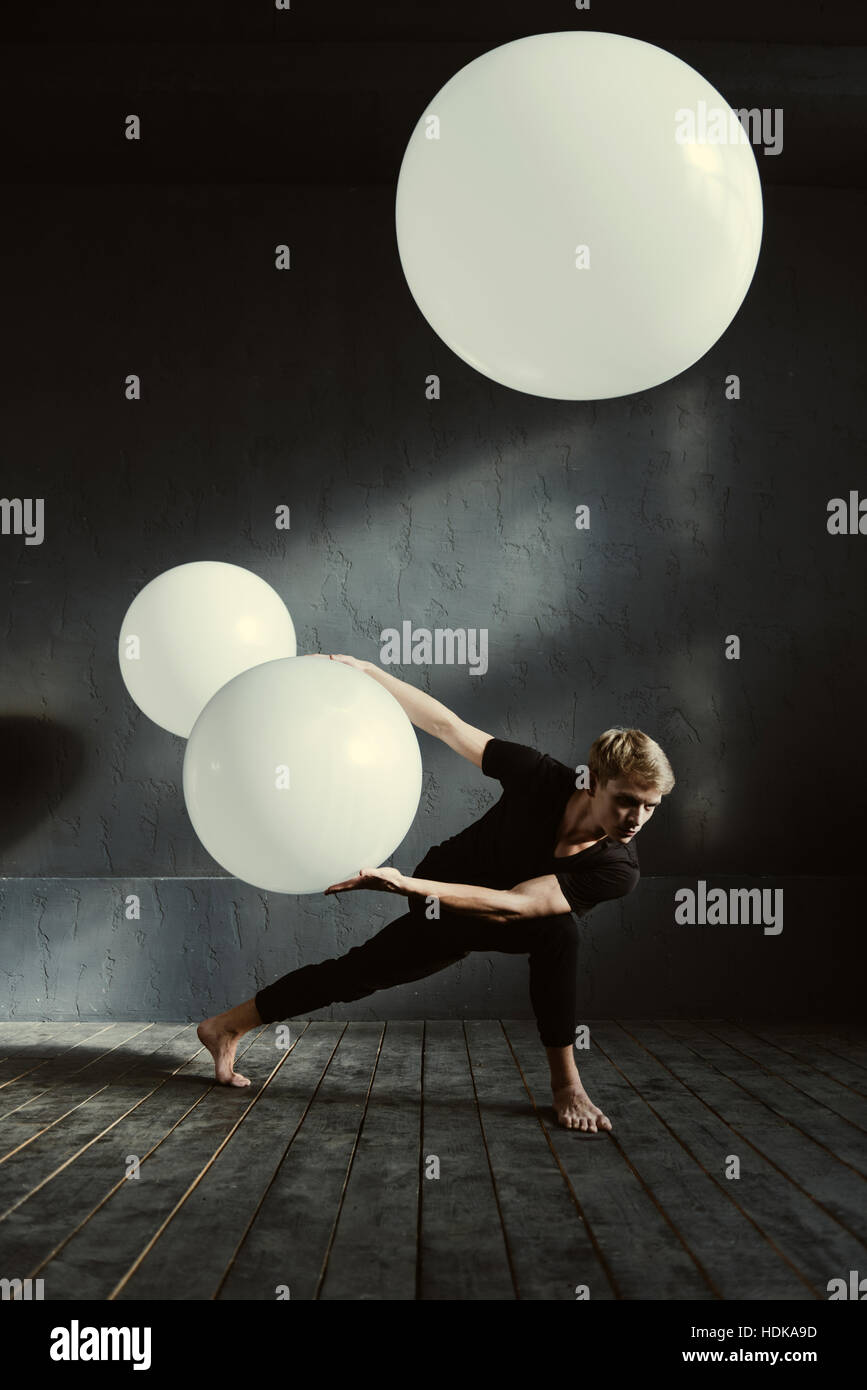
<point x="201" y="945"/>
<point x="708" y="517"/>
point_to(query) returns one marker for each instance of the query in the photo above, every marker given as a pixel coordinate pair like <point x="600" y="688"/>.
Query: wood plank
<point x="808" y="1045"/>
<point x="135" y="1037"/>
<point x="811" y="1208"/>
<point x="314" y="1176"/>
<point x="12" y="1029"/>
<point x="845" y="1036"/>
<point x="373" y="1253"/>
<point x="851" y="1050"/>
<point x="836" y="1136"/>
<point x="636" y="1230"/>
<point x="95" y="1257"/>
<point x="39" y="1227"/>
<point x="42" y="1155"/>
<point x="803" y="1076"/>
<point x="738" y="1229"/>
<point x="288" y="1239"/>
<point x="214" y="1217"/>
<point x="67" y="1080"/>
<point x="549" y="1243"/>
<point x="462" y="1247"/>
<point x="47" y="1039"/>
<point x="11" y="1068"/>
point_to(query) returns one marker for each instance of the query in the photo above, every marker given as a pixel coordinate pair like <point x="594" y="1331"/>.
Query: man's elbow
<point x="510" y="907"/>
<point x="442" y="726"/>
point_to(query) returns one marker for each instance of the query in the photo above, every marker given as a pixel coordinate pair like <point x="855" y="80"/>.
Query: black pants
<point x="413" y="947"/>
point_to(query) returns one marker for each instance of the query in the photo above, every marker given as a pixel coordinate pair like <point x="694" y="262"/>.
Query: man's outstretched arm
<point x="535" y="897"/>
<point x="426" y="713"/>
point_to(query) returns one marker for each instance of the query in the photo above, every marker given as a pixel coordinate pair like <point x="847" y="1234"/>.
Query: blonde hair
<point x="632" y="754"/>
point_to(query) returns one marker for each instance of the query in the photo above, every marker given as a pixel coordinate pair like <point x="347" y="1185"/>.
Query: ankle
<point x="561" y="1065"/>
<point x="227" y="1024"/>
<point x="238" y="1021"/>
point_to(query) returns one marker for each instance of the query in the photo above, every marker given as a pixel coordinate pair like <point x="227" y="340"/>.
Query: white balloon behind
<point x="300" y="772"/>
<point x="195" y="628"/>
<point x="568" y="140"/>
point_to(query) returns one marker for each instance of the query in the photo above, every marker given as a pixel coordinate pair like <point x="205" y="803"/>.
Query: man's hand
<point x="385" y="880"/>
<point x="347" y="660"/>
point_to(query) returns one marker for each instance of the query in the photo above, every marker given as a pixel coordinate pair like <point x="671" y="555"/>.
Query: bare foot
<point x="222" y="1043"/>
<point x="575" y="1109"/>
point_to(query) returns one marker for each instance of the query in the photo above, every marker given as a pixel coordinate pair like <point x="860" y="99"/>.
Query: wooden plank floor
<point x="414" y="1160"/>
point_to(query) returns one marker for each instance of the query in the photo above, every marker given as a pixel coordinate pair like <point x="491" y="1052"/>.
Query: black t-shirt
<point x="515" y="840"/>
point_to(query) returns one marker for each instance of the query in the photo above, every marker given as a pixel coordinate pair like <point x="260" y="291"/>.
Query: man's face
<point x="624" y="807"/>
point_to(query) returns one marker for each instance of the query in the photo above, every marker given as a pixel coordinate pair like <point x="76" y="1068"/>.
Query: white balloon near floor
<point x="191" y="630"/>
<point x="578" y="215"/>
<point x="300" y="772"/>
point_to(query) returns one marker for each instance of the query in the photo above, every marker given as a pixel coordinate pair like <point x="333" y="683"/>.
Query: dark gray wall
<point x="307" y="388"/>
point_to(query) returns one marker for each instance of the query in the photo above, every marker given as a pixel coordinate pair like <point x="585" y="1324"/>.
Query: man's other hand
<point x="385" y="880"/>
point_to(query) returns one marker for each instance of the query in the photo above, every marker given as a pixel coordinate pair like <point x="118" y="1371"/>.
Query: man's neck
<point x="579" y="825"/>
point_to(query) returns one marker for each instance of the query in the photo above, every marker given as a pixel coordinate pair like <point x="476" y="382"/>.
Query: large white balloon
<point x="569" y="140"/>
<point x="298" y="773"/>
<point x="192" y="629"/>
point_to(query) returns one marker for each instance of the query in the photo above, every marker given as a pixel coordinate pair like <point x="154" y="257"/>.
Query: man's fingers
<point x="353" y="882"/>
<point x="364" y="879"/>
<point x="336" y="887"/>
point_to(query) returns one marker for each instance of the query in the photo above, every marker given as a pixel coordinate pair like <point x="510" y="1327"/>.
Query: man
<point x="514" y="881"/>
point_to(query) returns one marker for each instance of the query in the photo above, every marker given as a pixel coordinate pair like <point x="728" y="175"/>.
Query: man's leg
<point x="409" y="948"/>
<point x="554" y="996"/>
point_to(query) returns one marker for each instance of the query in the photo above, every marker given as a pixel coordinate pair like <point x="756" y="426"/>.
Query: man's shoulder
<point x="617" y="861"/>
<point x="506" y="759"/>
<point x="624" y="858"/>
